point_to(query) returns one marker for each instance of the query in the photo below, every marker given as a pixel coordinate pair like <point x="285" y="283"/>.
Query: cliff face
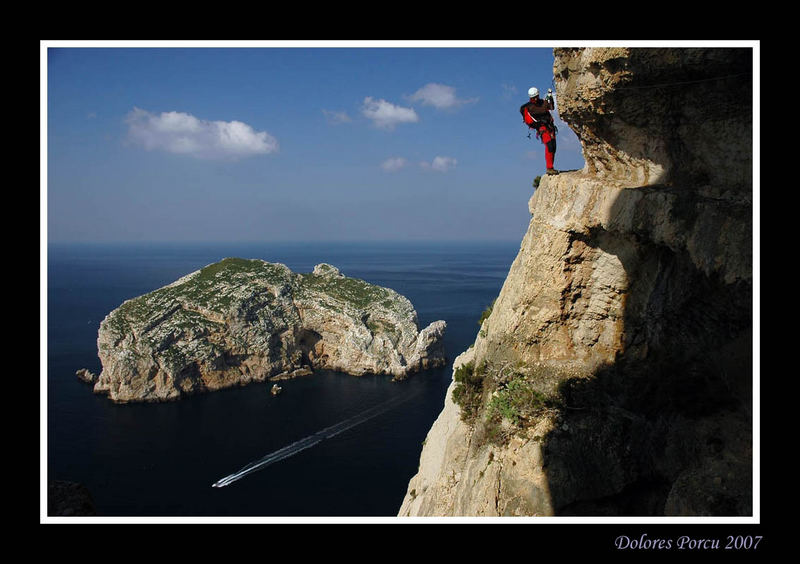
<point x="240" y="321"/>
<point x="614" y="374"/>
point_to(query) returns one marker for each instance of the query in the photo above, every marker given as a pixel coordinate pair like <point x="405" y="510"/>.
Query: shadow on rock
<point x="667" y="427"/>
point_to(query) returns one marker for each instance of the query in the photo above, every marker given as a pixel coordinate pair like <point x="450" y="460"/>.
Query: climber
<point x="536" y="114"/>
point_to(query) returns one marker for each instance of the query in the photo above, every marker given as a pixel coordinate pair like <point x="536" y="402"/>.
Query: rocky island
<point x="240" y="321"/>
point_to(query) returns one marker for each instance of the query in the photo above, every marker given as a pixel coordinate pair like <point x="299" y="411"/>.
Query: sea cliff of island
<point x="240" y="321"/>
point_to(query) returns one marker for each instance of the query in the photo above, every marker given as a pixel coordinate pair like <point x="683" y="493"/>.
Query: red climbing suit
<point x="536" y="114"/>
<point x="549" y="140"/>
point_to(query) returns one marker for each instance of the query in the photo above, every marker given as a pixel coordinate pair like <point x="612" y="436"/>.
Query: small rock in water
<point x="85" y="376"/>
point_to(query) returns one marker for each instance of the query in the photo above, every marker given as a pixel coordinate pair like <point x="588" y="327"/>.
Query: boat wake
<point x="310" y="441"/>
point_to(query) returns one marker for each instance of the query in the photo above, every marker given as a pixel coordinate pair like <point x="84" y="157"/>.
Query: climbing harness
<point x="532" y="122"/>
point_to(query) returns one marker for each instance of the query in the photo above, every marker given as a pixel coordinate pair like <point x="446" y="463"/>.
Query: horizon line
<point x="268" y="242"/>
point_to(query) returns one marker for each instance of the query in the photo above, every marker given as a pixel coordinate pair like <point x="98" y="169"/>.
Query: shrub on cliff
<point x="468" y="390"/>
<point x="487" y="312"/>
<point x="518" y="402"/>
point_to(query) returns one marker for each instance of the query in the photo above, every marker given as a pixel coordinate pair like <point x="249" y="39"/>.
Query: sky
<point x="225" y="143"/>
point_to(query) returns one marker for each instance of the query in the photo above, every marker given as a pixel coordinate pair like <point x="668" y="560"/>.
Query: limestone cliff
<point x="240" y="321"/>
<point x="614" y="373"/>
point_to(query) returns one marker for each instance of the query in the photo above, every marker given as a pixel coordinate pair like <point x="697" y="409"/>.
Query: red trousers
<point x="549" y="140"/>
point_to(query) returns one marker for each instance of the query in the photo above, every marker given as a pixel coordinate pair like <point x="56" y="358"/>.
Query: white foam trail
<point x="310" y="441"/>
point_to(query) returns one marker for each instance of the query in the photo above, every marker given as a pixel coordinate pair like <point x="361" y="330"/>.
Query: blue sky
<point x="279" y="143"/>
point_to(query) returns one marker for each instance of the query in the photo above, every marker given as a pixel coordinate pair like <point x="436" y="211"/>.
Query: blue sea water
<point x="160" y="460"/>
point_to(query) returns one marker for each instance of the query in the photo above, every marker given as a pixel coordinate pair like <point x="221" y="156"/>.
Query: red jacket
<point x="536" y="113"/>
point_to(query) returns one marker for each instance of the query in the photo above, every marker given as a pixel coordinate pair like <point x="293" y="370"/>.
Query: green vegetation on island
<point x="245" y="320"/>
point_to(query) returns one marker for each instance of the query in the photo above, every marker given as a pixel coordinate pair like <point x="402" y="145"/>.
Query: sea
<point x="330" y="445"/>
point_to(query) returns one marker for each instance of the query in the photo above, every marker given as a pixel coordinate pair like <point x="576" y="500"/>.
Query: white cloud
<point x="393" y="164"/>
<point x="440" y="164"/>
<point x="439" y="96"/>
<point x="182" y="133"/>
<point x="509" y="91"/>
<point x="387" y="115"/>
<point x="335" y="118"/>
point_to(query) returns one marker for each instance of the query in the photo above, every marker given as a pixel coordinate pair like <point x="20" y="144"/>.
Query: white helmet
<point x="533" y="92"/>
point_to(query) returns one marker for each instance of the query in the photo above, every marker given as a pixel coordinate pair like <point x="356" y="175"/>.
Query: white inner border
<point x="754" y="519"/>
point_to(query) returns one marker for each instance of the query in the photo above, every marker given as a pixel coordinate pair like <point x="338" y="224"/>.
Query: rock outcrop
<point x="240" y="321"/>
<point x="614" y="373"/>
<point x="85" y="376"/>
<point x="69" y="499"/>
